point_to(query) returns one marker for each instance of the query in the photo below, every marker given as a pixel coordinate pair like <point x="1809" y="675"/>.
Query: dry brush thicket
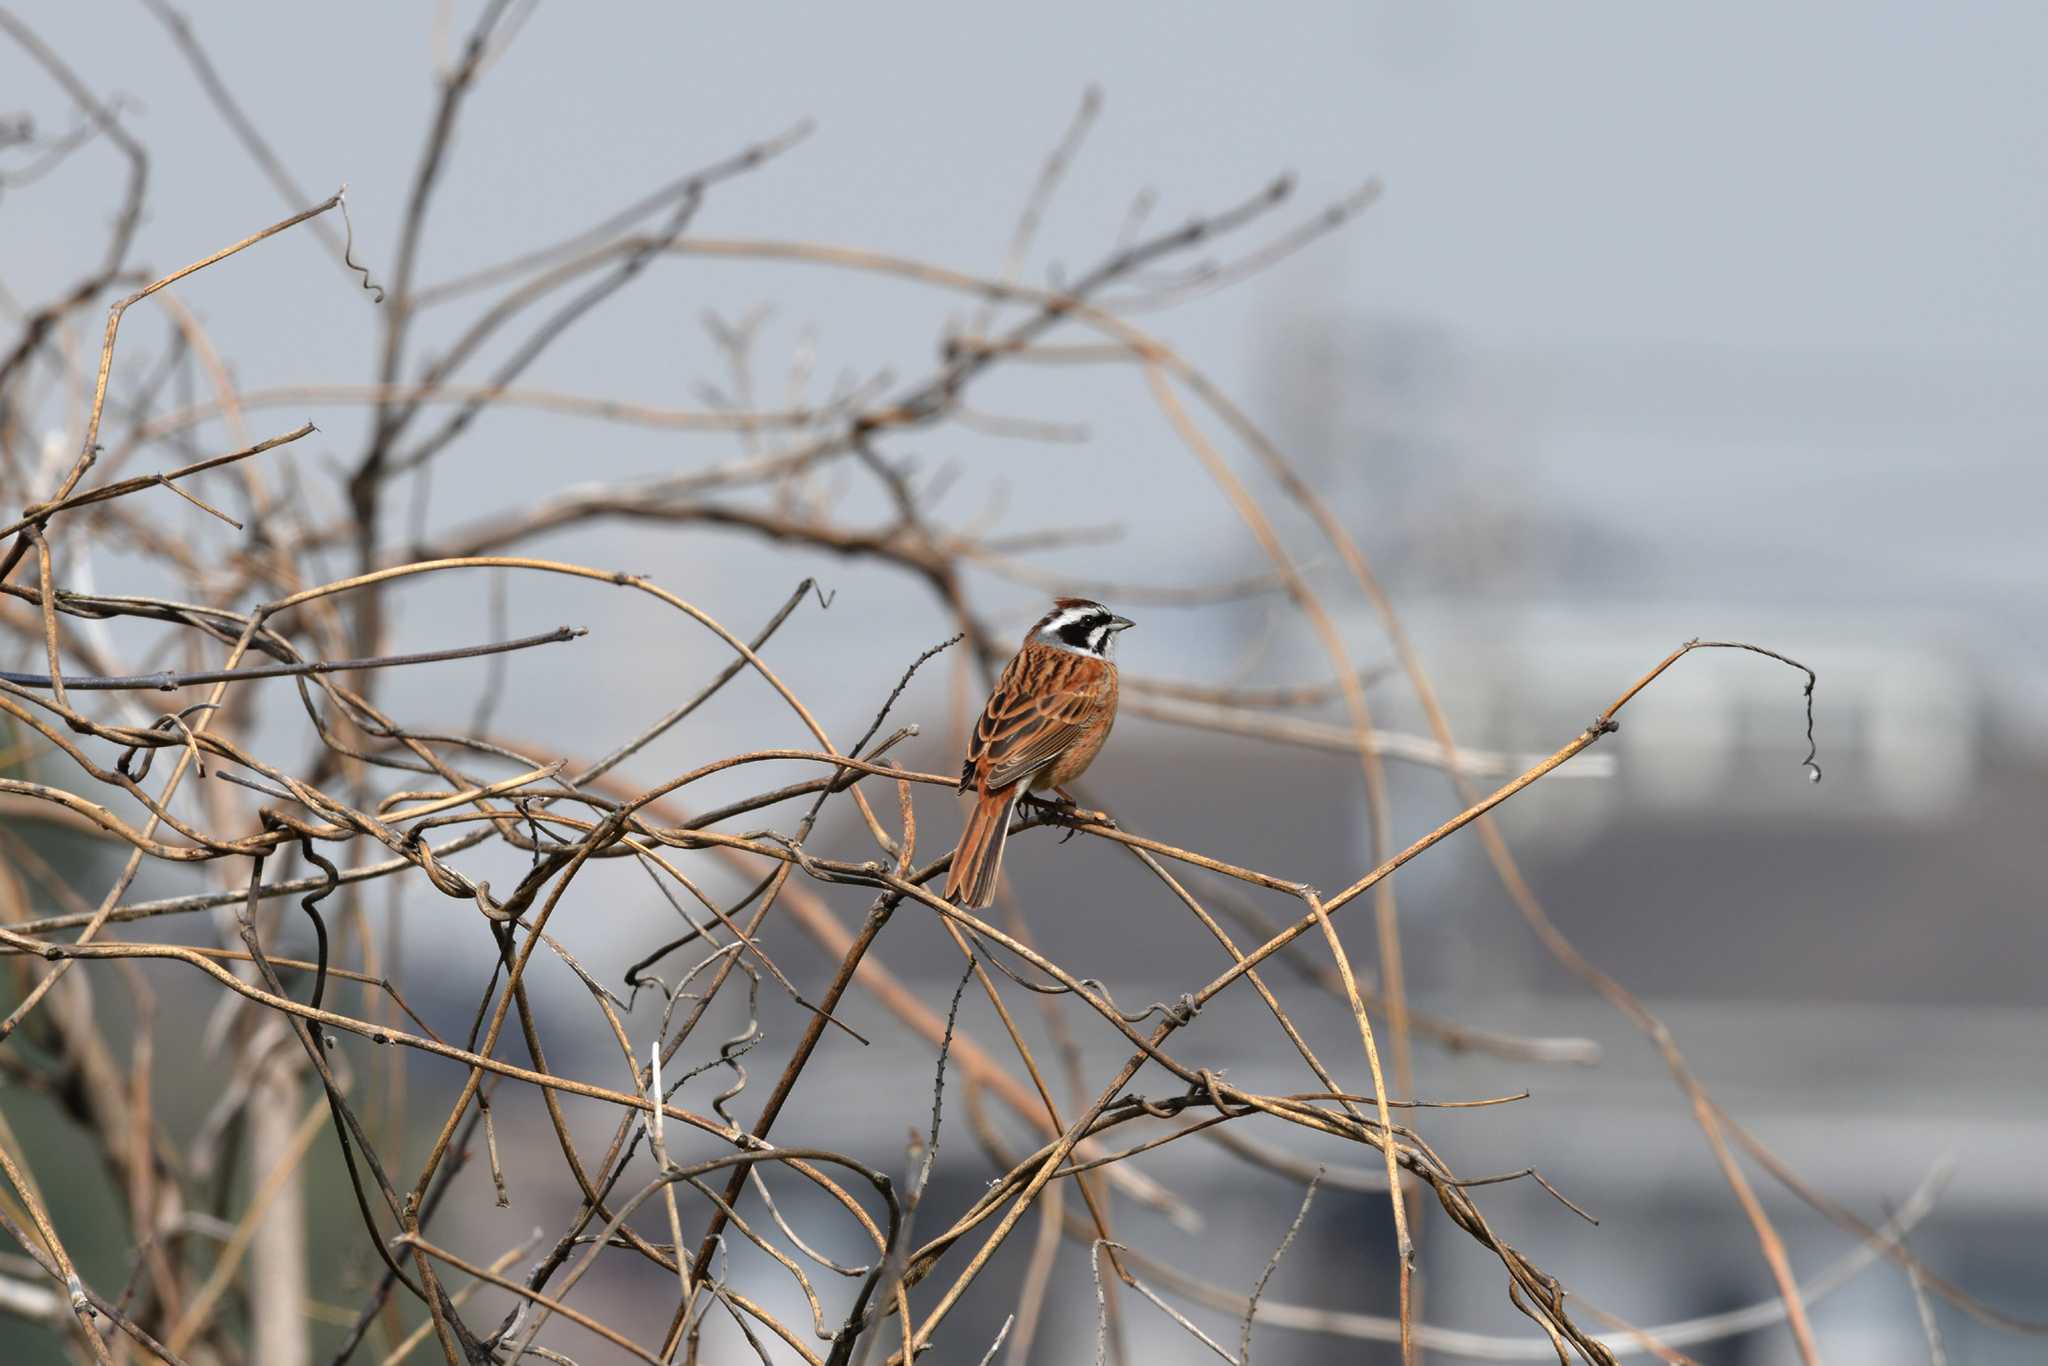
<point x="156" y="755"/>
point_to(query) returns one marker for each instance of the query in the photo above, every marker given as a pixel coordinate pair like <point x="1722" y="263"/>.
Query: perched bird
<point x="1043" y="725"/>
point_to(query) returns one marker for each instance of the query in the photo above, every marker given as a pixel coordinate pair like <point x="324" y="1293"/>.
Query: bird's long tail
<point x="978" y="857"/>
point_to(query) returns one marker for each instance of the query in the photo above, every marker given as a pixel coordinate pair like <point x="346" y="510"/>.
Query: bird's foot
<point x="1062" y="809"/>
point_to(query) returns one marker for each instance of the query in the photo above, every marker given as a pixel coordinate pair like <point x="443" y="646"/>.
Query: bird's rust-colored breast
<point x="1074" y="760"/>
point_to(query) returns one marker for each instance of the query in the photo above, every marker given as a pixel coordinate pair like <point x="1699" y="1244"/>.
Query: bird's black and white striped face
<point x="1076" y="624"/>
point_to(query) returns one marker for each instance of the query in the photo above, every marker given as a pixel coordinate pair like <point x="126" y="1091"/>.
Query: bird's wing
<point x="1039" y="707"/>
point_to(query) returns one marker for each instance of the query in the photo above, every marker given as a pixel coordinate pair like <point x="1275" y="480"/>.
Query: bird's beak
<point x="1121" y="623"/>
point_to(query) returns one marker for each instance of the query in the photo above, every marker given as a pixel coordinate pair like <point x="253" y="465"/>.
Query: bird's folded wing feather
<point x="1025" y="727"/>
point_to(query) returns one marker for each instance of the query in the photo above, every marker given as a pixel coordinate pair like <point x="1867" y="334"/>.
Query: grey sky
<point x="1768" y="281"/>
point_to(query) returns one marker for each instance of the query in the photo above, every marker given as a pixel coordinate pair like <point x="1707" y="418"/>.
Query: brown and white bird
<point x="1043" y="725"/>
